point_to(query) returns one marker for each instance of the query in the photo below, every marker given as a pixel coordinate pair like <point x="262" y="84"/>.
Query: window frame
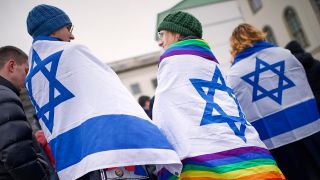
<point x="253" y="5"/>
<point x="135" y="88"/>
<point x="316" y="8"/>
<point x="154" y="83"/>
<point x="298" y="24"/>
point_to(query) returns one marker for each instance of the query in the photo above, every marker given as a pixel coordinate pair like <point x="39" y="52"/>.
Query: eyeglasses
<point x="70" y="28"/>
<point x="160" y="35"/>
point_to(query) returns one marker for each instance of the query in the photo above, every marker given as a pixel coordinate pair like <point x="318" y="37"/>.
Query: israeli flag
<point x="274" y="94"/>
<point x="201" y="117"/>
<point x="89" y="118"/>
<point x="197" y="110"/>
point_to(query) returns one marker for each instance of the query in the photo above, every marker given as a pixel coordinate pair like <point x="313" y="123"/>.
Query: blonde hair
<point x="243" y="37"/>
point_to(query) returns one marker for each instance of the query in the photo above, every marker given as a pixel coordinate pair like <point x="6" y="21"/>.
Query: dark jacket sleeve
<point x="18" y="152"/>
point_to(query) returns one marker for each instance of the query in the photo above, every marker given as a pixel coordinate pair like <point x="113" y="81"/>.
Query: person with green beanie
<point x="199" y="113"/>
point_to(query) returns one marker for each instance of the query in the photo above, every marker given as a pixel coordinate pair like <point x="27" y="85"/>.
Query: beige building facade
<point x="287" y="20"/>
<point x="138" y="74"/>
<point x="283" y="20"/>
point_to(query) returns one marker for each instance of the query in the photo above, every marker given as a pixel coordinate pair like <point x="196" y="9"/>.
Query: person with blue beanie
<point x="95" y="128"/>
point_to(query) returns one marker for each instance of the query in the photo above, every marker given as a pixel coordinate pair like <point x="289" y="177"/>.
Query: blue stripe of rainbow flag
<point x="248" y="163"/>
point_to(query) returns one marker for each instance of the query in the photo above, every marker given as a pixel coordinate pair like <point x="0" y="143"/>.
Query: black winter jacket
<point x="312" y="68"/>
<point x="19" y="154"/>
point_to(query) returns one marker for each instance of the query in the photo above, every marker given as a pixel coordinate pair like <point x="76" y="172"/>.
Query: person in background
<point x="198" y="112"/>
<point x="43" y="141"/>
<point x="95" y="128"/>
<point x="144" y="102"/>
<point x="273" y="91"/>
<point x="310" y="65"/>
<point x="151" y="107"/>
<point x="20" y="157"/>
<point x="45" y="148"/>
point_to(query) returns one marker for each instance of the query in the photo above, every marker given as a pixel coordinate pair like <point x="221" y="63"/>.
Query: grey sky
<point x="112" y="29"/>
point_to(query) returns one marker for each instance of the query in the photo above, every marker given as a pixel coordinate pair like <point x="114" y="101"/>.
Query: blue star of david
<point x="258" y="91"/>
<point x="218" y="83"/>
<point x="37" y="66"/>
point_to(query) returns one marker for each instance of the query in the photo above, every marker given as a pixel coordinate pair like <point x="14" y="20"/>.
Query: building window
<point x="316" y="7"/>
<point x="255" y="5"/>
<point x="135" y="88"/>
<point x="154" y="83"/>
<point x="294" y="26"/>
<point x="270" y="36"/>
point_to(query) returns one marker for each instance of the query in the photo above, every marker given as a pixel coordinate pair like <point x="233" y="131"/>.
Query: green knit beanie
<point x="183" y="23"/>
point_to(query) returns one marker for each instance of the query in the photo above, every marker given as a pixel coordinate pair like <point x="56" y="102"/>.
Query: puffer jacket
<point x="20" y="157"/>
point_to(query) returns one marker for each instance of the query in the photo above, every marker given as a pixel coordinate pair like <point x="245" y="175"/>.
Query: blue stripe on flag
<point x="139" y="170"/>
<point x="258" y="46"/>
<point x="104" y="133"/>
<point x="287" y="120"/>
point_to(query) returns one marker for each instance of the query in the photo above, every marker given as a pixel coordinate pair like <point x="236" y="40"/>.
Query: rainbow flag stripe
<point x="164" y="174"/>
<point x="246" y="163"/>
<point x="196" y="47"/>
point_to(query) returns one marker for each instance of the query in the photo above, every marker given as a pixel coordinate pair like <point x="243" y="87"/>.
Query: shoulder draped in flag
<point x="201" y="117"/>
<point x="89" y="118"/>
<point x="274" y="93"/>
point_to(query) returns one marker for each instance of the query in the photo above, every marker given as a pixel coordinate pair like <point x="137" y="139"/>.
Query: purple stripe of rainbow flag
<point x="248" y="163"/>
<point x="192" y="47"/>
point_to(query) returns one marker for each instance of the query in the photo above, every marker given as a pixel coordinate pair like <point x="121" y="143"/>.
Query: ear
<point x="175" y="37"/>
<point x="52" y="34"/>
<point x="10" y="65"/>
<point x="179" y="37"/>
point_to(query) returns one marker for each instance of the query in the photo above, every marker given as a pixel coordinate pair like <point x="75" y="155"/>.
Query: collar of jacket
<point x="9" y="85"/>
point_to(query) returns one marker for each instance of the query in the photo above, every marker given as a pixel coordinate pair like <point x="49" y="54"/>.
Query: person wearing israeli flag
<point x="198" y="112"/>
<point x="94" y="126"/>
<point x="273" y="90"/>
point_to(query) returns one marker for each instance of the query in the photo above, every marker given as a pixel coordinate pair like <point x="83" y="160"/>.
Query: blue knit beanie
<point x="45" y="19"/>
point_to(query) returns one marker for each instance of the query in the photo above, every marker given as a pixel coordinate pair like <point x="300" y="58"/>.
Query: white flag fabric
<point x="202" y="119"/>
<point x="274" y="93"/>
<point x="90" y="119"/>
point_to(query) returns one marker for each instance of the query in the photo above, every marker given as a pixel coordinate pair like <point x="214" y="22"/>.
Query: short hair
<point x="11" y="52"/>
<point x="243" y="37"/>
<point x="143" y="99"/>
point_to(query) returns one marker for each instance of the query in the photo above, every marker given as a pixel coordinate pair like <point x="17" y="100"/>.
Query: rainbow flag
<point x="195" y="47"/>
<point x="247" y="163"/>
<point x="201" y="117"/>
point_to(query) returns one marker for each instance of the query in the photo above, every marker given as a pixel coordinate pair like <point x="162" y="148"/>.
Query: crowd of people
<point x="260" y="121"/>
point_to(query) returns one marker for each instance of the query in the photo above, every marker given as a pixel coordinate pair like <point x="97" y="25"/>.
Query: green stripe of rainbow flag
<point x="246" y="163"/>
